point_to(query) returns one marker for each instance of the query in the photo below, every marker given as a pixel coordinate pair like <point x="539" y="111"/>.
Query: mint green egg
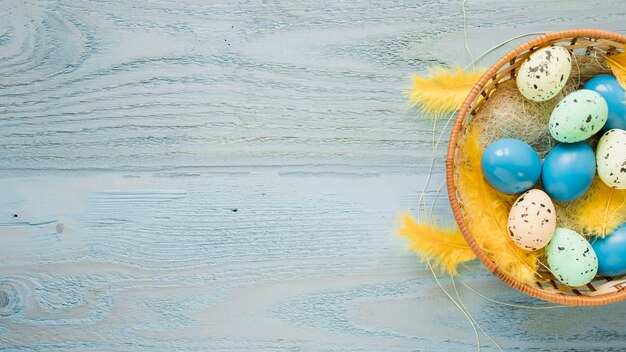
<point x="571" y="257"/>
<point x="578" y="116"/>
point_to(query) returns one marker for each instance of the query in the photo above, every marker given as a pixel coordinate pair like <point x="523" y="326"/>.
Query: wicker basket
<point x="601" y="290"/>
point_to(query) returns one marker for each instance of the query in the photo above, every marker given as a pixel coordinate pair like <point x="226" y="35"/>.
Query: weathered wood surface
<point x="224" y="176"/>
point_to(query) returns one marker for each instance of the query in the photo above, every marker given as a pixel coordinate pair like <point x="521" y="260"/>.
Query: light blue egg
<point x="611" y="252"/>
<point x="568" y="171"/>
<point x="511" y="166"/>
<point x="615" y="97"/>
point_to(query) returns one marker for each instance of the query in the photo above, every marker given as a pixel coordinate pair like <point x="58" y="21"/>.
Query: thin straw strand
<point x="511" y="304"/>
<point x="458" y="296"/>
<point x="456" y="304"/>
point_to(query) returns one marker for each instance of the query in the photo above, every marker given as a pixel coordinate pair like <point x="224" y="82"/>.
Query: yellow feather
<point x="486" y="214"/>
<point x="442" y="90"/>
<point x="600" y="211"/>
<point x="445" y="248"/>
<point x="617" y="63"/>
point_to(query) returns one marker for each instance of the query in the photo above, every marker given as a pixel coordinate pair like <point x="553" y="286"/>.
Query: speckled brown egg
<point x="544" y="73"/>
<point x="532" y="220"/>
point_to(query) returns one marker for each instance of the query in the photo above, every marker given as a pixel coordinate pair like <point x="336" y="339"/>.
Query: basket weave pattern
<point x="601" y="290"/>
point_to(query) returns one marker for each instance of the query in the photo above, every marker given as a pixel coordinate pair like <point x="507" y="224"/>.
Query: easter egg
<point x="510" y="165"/>
<point x="611" y="252"/>
<point x="532" y="220"/>
<point x="615" y="98"/>
<point x="568" y="171"/>
<point x="578" y="116"/>
<point x="571" y="258"/>
<point x="611" y="158"/>
<point x="544" y="73"/>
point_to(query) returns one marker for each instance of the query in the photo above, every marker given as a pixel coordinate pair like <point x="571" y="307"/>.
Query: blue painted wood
<point x="224" y="176"/>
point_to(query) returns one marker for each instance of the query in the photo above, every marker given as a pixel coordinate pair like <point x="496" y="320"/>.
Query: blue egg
<point x="611" y="252"/>
<point x="568" y="171"/>
<point x="614" y="95"/>
<point x="511" y="166"/>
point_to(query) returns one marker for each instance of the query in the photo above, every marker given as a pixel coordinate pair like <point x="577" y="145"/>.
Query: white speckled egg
<point x="544" y="73"/>
<point x="611" y="158"/>
<point x="571" y="258"/>
<point x="532" y="220"/>
<point x="578" y="116"/>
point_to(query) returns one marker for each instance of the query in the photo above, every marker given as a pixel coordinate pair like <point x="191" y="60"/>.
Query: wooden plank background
<point x="224" y="176"/>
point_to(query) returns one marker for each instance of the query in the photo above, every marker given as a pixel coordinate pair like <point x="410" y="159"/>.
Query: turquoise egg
<point x="568" y="171"/>
<point x="571" y="257"/>
<point x="510" y="165"/>
<point x="578" y="116"/>
<point x="611" y="252"/>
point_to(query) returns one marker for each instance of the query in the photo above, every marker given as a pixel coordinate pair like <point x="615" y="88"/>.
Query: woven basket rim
<point x="451" y="183"/>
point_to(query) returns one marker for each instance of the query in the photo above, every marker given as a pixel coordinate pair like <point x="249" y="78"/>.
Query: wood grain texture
<point x="224" y="176"/>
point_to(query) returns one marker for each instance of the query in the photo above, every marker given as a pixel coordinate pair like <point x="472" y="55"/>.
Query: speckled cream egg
<point x="578" y="116"/>
<point x="532" y="220"/>
<point x="571" y="258"/>
<point x="611" y="158"/>
<point x="544" y="73"/>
